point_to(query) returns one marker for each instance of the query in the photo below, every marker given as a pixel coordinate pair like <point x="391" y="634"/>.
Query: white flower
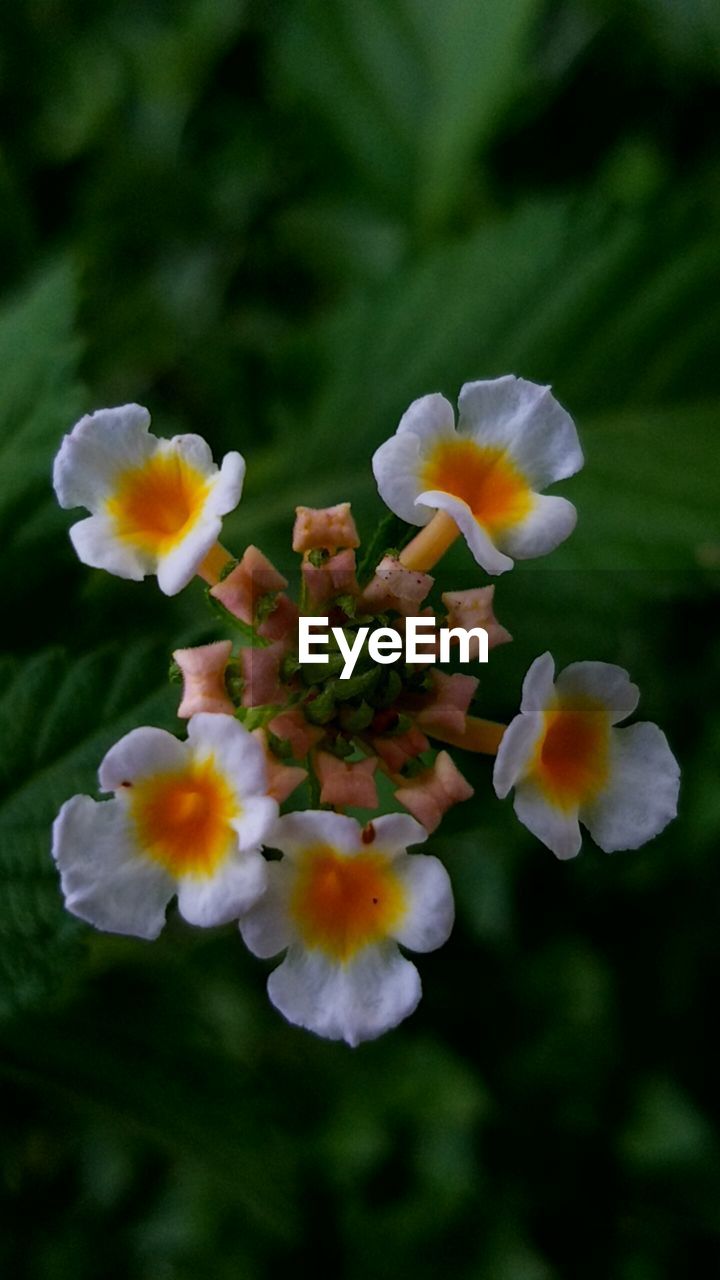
<point x="512" y="439"/>
<point x="156" y="504"/>
<point x="186" y="818"/>
<point x="340" y="900"/>
<point x="568" y="763"/>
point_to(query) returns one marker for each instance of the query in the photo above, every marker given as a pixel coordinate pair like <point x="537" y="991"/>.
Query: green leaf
<point x="155" y="1071"/>
<point x="474" y="56"/>
<point x="647" y="496"/>
<point x="57" y="719"/>
<point x="410" y="91"/>
<point x="572" y="293"/>
<point x="365" y="62"/>
<point x="41" y="400"/>
<point x="41" y="397"/>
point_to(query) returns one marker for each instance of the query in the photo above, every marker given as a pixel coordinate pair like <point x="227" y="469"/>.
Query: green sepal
<point x="360" y="686"/>
<point x="257" y="717"/>
<point x="321" y="672"/>
<point x="419" y="681"/>
<point x="228" y="568"/>
<point x="264" y="607"/>
<point x="289" y="667"/>
<point x="234" y="682"/>
<point x="404" y="724"/>
<point x="280" y="747"/>
<point x="347" y="603"/>
<point x="387" y="689"/>
<point x="413" y="767"/>
<point x="355" y="719"/>
<point x="320" y="710"/>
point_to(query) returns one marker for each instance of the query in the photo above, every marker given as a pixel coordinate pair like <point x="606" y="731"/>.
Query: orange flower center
<point x="482" y="476"/>
<point x="572" y="757"/>
<point x="182" y="818"/>
<point x="157" y="504"/>
<point x="342" y="904"/>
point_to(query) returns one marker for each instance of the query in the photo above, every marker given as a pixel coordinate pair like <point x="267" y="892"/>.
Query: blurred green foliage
<point x="277" y="223"/>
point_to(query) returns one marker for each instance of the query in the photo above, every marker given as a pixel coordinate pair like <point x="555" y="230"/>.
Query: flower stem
<point x="213" y="564"/>
<point x="478" y="735"/>
<point x="430" y="544"/>
<point x="313" y="781"/>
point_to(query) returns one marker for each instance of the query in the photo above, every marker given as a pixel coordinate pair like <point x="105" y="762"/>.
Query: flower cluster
<point x="266" y="728"/>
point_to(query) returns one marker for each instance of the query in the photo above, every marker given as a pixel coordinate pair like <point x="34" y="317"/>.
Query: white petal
<point x="352" y="1002"/>
<point x="237" y="754"/>
<point x="256" y="822"/>
<point x="140" y="754"/>
<point x="515" y="752"/>
<point x="642" y="793"/>
<point x="180" y="565"/>
<point x="192" y="449"/>
<point x="477" y="538"/>
<point x="211" y="900"/>
<point x="266" y="928"/>
<point x="297" y="831"/>
<point x="538" y="689"/>
<point x="105" y="880"/>
<point x="228" y="485"/>
<point x="431" y="418"/>
<point x="431" y="911"/>
<point x="97" y="545"/>
<point x="100" y="446"/>
<point x="525" y="419"/>
<point x="396" y="832"/>
<point x="549" y="523"/>
<point x="602" y="681"/>
<point x="397" y="467"/>
<point x="557" y="828"/>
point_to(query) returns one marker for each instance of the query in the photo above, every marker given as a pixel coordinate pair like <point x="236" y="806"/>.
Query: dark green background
<point x="276" y="224"/>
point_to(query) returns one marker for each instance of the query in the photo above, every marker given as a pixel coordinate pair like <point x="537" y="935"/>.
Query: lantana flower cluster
<point x="269" y="812"/>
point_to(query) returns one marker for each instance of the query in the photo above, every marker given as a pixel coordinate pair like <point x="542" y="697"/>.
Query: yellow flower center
<point x="341" y="904"/>
<point x="182" y="818"/>
<point x="482" y="476"/>
<point x="157" y="504"/>
<point x="572" y="757"/>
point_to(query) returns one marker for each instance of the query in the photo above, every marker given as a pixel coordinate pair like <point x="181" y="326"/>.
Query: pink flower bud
<point x="395" y="587"/>
<point x="474" y="608"/>
<point x="261" y="672"/>
<point x="431" y="793"/>
<point x="203" y="672"/>
<point x="252" y="578"/>
<point x="281" y="624"/>
<point x="324" y="528"/>
<point x="397" y="750"/>
<point x="449" y="701"/>
<point x="346" y="784"/>
<point x="282" y="778"/>
<point x="292" y="727"/>
<point x="335" y="577"/>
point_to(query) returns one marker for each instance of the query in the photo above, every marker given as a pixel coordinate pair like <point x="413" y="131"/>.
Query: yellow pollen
<point x="484" y="477"/>
<point x="572" y="757"/>
<point x="182" y="818"/>
<point x="342" y="904"/>
<point x="157" y="504"/>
